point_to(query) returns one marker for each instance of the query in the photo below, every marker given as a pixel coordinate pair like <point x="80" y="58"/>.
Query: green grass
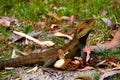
<point x="29" y="11"/>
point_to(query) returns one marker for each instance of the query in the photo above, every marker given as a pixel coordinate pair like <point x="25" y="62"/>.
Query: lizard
<point x="50" y="56"/>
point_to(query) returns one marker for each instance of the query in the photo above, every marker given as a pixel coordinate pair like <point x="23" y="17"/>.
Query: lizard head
<point x="84" y="27"/>
<point x="82" y="33"/>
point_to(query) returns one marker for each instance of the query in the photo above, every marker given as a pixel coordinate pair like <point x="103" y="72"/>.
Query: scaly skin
<point x="50" y="56"/>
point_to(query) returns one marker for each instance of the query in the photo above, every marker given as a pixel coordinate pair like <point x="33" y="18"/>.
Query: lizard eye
<point x="80" y="30"/>
<point x="87" y="21"/>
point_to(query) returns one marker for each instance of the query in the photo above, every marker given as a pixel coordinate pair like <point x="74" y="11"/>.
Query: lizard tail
<point x="20" y="61"/>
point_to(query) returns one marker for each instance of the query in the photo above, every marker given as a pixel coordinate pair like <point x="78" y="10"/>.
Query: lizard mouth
<point x="89" y="21"/>
<point x="92" y="21"/>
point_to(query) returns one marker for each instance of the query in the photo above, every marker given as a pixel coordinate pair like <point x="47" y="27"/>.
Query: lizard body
<point x="51" y="55"/>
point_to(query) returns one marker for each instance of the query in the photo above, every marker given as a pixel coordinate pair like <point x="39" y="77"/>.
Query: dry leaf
<point x="54" y="15"/>
<point x="72" y="19"/>
<point x="43" y="43"/>
<point x="108" y="69"/>
<point x="1" y="21"/>
<point x="46" y="43"/>
<point x="59" y="63"/>
<point x="33" y="69"/>
<point x="78" y="58"/>
<point x="62" y="63"/>
<point x="108" y="22"/>
<point x="104" y="11"/>
<point x="86" y="68"/>
<point x="65" y="18"/>
<point x="14" y="54"/>
<point x="17" y="78"/>
<point x="17" y="69"/>
<point x="17" y="38"/>
<point x="82" y="76"/>
<point x="53" y="26"/>
<point x="39" y="23"/>
<point x="8" y="21"/>
<point x="116" y="68"/>
<point x="110" y="73"/>
<point x="9" y="68"/>
<point x="115" y="42"/>
<point x="100" y="63"/>
<point x="62" y="35"/>
<point x="4" y="21"/>
<point x="73" y="65"/>
<point x="0" y="57"/>
<point x="113" y="64"/>
<point x="87" y="50"/>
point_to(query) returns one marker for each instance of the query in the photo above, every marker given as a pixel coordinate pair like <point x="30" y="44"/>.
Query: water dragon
<point x="74" y="48"/>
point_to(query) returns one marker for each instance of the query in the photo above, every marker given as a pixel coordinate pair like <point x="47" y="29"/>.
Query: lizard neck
<point x="77" y="44"/>
<point x="76" y="40"/>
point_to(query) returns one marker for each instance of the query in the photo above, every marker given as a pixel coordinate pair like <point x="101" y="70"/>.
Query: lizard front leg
<point x="50" y="61"/>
